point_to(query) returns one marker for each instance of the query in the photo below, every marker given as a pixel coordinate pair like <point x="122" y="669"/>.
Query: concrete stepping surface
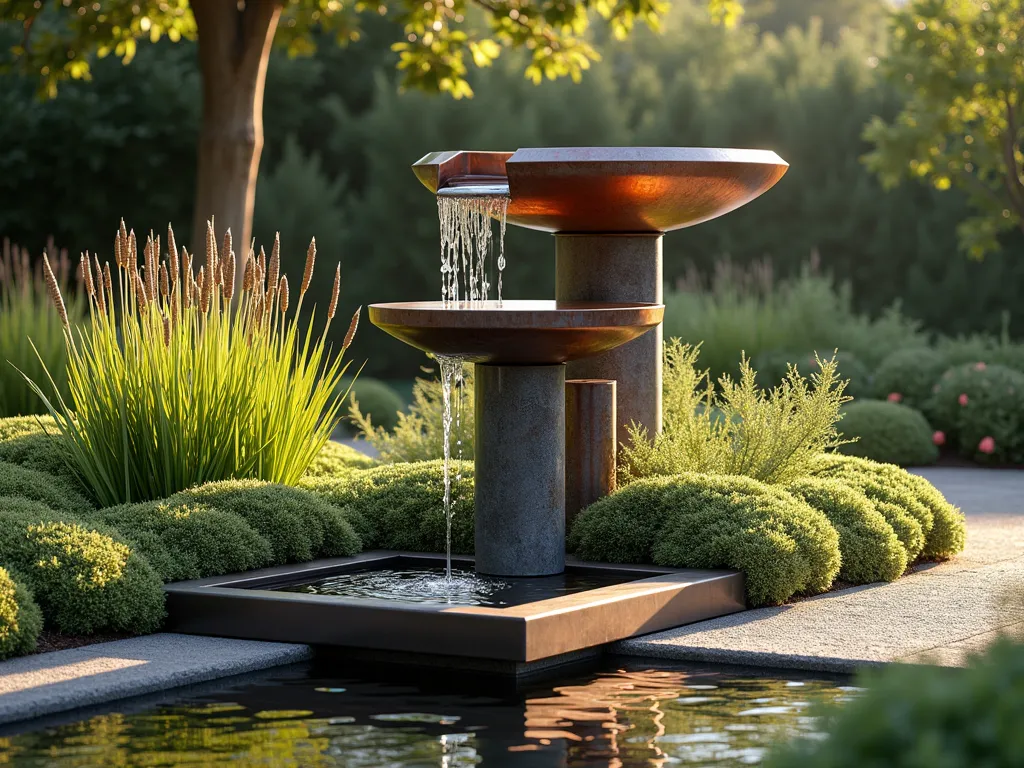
<point x="939" y="614"/>
<point x="48" y="683"/>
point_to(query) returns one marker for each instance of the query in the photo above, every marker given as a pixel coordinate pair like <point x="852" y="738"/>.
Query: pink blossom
<point x="894" y="397"/>
<point x="987" y="445"/>
<point x="939" y="437"/>
<point x="962" y="399"/>
<point x="979" y="366"/>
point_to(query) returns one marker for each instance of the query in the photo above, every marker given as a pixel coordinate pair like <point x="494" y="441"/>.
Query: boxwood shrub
<point x="401" y="506"/>
<point x="909" y="375"/>
<point x="299" y="525"/>
<point x="189" y="541"/>
<point x="981" y="409"/>
<point x="942" y="526"/>
<point x="781" y="544"/>
<point x="869" y="547"/>
<point x="59" y="495"/>
<point x="889" y="432"/>
<point x="20" y="617"/>
<point x="911" y="716"/>
<point x="337" y="459"/>
<point x="84" y="576"/>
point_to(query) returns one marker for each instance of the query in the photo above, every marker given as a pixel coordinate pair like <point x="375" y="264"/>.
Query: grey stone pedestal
<point x="520" y="469"/>
<point x="617" y="268"/>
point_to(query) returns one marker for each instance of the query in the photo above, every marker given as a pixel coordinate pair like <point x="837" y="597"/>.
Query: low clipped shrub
<point x="772" y="368"/>
<point x="57" y="494"/>
<point x="14" y="427"/>
<point x="84" y="576"/>
<point x="298" y="525"/>
<point x="888" y="432"/>
<point x="942" y="526"/>
<point x="379" y="403"/>
<point x="920" y="715"/>
<point x="980" y="408"/>
<point x="189" y="541"/>
<point x="781" y="544"/>
<point x="33" y="442"/>
<point x="336" y="459"/>
<point x="869" y="547"/>
<point x="908" y="375"/>
<point x="401" y="506"/>
<point x="20" y="617"/>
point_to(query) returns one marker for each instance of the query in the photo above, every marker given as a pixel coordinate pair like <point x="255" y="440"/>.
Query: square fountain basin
<point x="624" y="601"/>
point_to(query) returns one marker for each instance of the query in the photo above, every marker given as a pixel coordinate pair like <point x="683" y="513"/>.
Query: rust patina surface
<point x="516" y="332"/>
<point x="609" y="189"/>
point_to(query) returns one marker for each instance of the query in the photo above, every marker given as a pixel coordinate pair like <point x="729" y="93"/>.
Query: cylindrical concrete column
<point x="520" y="469"/>
<point x="617" y="268"/>
<point x="590" y="444"/>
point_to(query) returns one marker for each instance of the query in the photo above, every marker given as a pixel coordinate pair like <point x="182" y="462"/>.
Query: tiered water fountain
<point x="608" y="209"/>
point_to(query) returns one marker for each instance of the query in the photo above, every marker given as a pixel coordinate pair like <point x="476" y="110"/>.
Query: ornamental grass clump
<point x="739" y="429"/>
<point x="180" y="376"/>
<point x="31" y="335"/>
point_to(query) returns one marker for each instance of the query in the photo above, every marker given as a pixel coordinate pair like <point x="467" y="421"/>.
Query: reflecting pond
<point x="630" y="713"/>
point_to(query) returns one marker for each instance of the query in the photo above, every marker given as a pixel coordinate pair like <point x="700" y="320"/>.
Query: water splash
<point x="466" y="244"/>
<point x="451" y="377"/>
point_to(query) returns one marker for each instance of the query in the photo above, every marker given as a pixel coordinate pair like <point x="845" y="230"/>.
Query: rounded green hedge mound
<point x="189" y="541"/>
<point x="889" y="432"/>
<point x="299" y="525"/>
<point x="375" y="399"/>
<point x="781" y="544"/>
<point x="916" y="715"/>
<point x="401" y="506"/>
<point x="54" y="492"/>
<point x="20" y="617"/>
<point x="981" y="409"/>
<point x="84" y="577"/>
<point x="869" y="547"/>
<point x="910" y="375"/>
<point x="943" y="529"/>
<point x="14" y="427"/>
<point x="336" y="459"/>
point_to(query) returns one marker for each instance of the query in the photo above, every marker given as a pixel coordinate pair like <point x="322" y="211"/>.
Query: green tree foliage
<point x="960" y="64"/>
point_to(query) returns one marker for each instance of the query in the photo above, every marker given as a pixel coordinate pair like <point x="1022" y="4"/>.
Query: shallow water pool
<point x="628" y="714"/>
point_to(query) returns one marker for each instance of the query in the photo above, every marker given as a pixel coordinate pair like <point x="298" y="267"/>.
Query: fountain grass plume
<point x="181" y="381"/>
<point x="27" y="319"/>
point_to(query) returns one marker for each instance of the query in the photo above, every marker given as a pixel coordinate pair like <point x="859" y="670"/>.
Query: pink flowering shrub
<point x="910" y="373"/>
<point x="939" y="438"/>
<point x="980" y="411"/>
<point x="894" y="397"/>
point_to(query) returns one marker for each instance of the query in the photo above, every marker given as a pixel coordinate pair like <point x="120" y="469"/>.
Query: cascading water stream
<point x="451" y="377"/>
<point x="466" y="244"/>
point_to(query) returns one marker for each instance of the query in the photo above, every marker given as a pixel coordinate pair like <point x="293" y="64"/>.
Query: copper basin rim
<point x="610" y="189"/>
<point x="516" y="332"/>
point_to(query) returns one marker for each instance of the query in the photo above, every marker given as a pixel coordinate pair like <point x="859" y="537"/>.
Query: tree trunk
<point x="234" y="49"/>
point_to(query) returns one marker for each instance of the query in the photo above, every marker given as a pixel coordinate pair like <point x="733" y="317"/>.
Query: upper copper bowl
<point x="516" y="332"/>
<point x="610" y="189"/>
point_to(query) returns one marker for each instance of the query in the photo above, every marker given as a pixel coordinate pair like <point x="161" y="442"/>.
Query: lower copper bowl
<point x="516" y="332"/>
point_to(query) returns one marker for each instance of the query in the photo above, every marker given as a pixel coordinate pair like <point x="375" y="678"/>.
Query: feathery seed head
<point x="307" y="273"/>
<point x="249" y="276"/>
<point x="54" y="290"/>
<point x="229" y="276"/>
<point x="275" y="261"/>
<point x="282" y="292"/>
<point x="334" y="293"/>
<point x="350" y="334"/>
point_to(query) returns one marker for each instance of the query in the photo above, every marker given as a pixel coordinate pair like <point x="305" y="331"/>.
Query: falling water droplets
<point x="451" y="377"/>
<point x="466" y="243"/>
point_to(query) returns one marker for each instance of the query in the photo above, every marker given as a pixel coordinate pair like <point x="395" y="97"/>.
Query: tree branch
<point x="1013" y="184"/>
<point x="493" y="9"/>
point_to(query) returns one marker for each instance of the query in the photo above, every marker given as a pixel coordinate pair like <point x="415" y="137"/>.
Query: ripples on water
<point x="466" y="587"/>
<point x="629" y="717"/>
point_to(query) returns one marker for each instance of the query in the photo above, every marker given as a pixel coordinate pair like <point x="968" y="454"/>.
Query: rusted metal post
<point x="590" y="443"/>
